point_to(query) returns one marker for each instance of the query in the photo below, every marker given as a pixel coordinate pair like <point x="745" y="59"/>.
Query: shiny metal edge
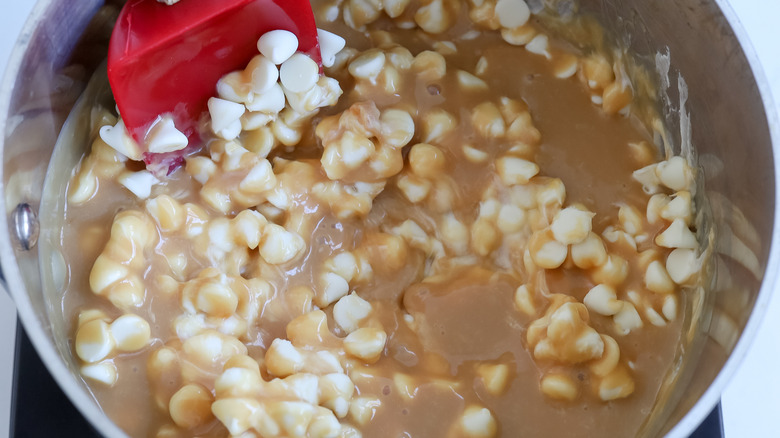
<point x="769" y="284"/>
<point x="48" y="353"/>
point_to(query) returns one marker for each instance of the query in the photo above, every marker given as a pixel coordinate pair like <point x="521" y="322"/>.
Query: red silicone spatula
<point x="167" y="59"/>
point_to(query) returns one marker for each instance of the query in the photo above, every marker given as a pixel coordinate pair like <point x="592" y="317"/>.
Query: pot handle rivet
<point x="26" y="225"/>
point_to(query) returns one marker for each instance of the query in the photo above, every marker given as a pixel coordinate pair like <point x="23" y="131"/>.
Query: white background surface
<point x="751" y="403"/>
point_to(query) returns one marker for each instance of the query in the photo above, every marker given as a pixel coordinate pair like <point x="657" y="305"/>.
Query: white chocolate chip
<point x="657" y="279"/>
<point x="469" y="82"/>
<point x="680" y="207"/>
<point x="271" y="101"/>
<point x="474" y="155"/>
<point x="512" y="13"/>
<point x="547" y="252"/>
<point x="367" y="65"/>
<point x="669" y="307"/>
<point x="566" y="67"/>
<point x="260" y="178"/>
<point x="524" y="300"/>
<point x="602" y="299"/>
<point x="445" y="47"/>
<point x="478" y="422"/>
<point x="513" y="170"/>
<point x="299" y="73"/>
<point x="559" y="386"/>
<point x="682" y="265"/>
<point x="279" y="245"/>
<point x="94" y="341"/>
<point x="414" y="188"/>
<point x="120" y="140"/>
<point x="333" y="286"/>
<point x="405" y="386"/>
<point x="589" y="253"/>
<point x="630" y="220"/>
<point x="224" y="113"/>
<point x="283" y="359"/>
<point x="677" y="235"/>
<point x="571" y="225"/>
<point x="140" y="183"/>
<point x="215" y="299"/>
<point x="232" y="87"/>
<point x="349" y="311"/>
<point x="613" y="272"/>
<point x="675" y="173"/>
<point x="494" y="377"/>
<point x="655" y="205"/>
<point x="330" y="45"/>
<point x="648" y="178"/>
<point x="362" y="409"/>
<point x="397" y="127"/>
<point x="519" y="36"/>
<point x="335" y="392"/>
<point x="617" y="384"/>
<point x="539" y="45"/>
<point x="510" y="218"/>
<point x="278" y="45"/>
<point x="131" y="332"/>
<point x="654" y="317"/>
<point x="344" y="264"/>
<point x="482" y="66"/>
<point x="454" y="234"/>
<point x="104" y="372"/>
<point x="164" y="137"/>
<point x="609" y="359"/>
<point x="263" y="74"/>
<point x="252" y="120"/>
<point x="231" y="132"/>
<point x="304" y="386"/>
<point x="366" y="343"/>
<point x="627" y="319"/>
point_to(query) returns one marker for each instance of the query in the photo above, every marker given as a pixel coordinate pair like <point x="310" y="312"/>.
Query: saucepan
<point x="717" y="110"/>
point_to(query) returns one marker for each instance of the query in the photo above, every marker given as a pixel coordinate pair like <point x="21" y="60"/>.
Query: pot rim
<point x="94" y="414"/>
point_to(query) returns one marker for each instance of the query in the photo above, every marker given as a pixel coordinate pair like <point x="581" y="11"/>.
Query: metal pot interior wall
<point x="711" y="100"/>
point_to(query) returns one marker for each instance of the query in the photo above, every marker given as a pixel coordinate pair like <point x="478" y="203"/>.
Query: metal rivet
<point x="26" y="226"/>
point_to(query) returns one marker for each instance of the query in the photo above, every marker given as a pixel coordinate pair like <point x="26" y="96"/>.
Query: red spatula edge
<point x="167" y="59"/>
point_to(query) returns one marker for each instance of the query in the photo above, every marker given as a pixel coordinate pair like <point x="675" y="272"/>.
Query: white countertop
<point x="751" y="402"/>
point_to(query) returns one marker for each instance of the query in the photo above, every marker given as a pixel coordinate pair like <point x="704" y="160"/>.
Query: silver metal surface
<point x="734" y="130"/>
<point x="37" y="93"/>
<point x="735" y="133"/>
<point x="26" y="227"/>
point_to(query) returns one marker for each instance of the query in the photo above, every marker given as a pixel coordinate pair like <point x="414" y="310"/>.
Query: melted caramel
<point x="462" y="319"/>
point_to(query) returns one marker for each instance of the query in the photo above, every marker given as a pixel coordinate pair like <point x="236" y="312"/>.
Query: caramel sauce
<point x="463" y="319"/>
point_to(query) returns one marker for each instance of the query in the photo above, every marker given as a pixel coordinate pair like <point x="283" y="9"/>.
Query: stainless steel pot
<point x="717" y="100"/>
